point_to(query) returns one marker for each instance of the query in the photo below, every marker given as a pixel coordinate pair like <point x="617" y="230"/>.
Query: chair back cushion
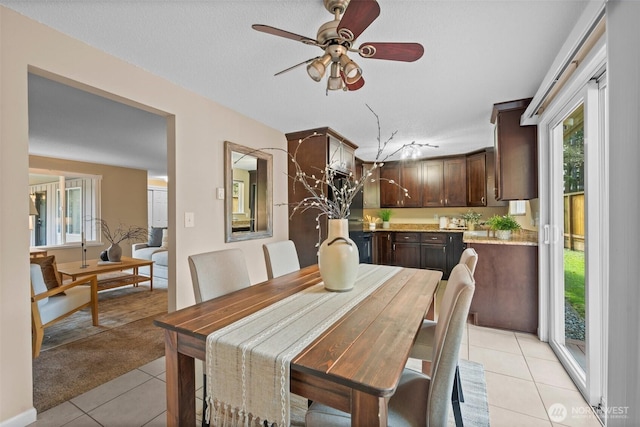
<point x="281" y="258"/>
<point x="37" y="283"/>
<point x="470" y="258"/>
<point x="217" y="273"/>
<point x="447" y="338"/>
<point x="50" y="273"/>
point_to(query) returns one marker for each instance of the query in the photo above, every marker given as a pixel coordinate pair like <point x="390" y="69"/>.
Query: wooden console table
<point x="74" y="270"/>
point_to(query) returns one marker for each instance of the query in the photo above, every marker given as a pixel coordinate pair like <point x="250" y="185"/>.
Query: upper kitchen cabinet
<point x="516" y="152"/>
<point x="481" y="179"/>
<point x="407" y="175"/>
<point x="321" y="147"/>
<point x="444" y="182"/>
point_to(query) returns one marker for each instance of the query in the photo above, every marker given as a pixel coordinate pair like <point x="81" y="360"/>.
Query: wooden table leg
<point x="368" y="410"/>
<point x="181" y="387"/>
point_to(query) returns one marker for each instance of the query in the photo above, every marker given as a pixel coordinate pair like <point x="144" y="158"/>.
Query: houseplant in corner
<point x="117" y="235"/>
<point x="503" y="226"/>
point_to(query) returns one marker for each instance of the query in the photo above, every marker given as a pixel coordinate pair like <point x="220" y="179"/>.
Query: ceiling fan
<point x="337" y="37"/>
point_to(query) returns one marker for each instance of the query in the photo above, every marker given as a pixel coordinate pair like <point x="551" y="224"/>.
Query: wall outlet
<point x="189" y="219"/>
<point x="220" y="194"/>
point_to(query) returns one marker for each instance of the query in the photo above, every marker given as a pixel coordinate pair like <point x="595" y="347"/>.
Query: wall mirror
<point x="248" y="193"/>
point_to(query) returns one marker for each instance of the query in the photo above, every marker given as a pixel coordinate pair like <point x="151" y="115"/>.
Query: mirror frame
<point x="230" y="235"/>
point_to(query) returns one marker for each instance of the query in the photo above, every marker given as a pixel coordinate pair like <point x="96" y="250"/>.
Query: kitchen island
<point x="506" y="295"/>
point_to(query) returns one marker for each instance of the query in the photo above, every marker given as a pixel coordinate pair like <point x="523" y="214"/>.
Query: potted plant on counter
<point x="471" y="218"/>
<point x="503" y="226"/>
<point x="385" y="215"/>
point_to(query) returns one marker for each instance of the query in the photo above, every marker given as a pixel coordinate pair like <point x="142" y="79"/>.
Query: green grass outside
<point x="574" y="279"/>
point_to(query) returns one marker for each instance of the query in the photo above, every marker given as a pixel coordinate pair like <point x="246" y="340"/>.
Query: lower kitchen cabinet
<point x="382" y="251"/>
<point x="434" y="251"/>
<point x="506" y="295"/>
<point x="406" y="249"/>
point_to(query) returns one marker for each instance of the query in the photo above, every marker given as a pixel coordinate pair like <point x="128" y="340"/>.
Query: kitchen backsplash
<point x="432" y="215"/>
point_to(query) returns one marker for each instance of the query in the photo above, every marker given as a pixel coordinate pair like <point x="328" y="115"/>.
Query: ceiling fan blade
<point x="295" y="66"/>
<point x="355" y="86"/>
<point x="358" y="16"/>
<point x="286" y="34"/>
<point x="407" y="52"/>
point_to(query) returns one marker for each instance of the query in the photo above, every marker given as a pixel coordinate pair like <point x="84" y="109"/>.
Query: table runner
<point x="248" y="362"/>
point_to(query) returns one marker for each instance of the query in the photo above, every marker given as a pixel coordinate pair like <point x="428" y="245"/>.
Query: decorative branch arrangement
<point x="331" y="191"/>
<point x="122" y="232"/>
<point x="335" y="201"/>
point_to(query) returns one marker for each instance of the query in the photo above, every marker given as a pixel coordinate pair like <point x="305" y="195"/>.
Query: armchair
<point x="49" y="306"/>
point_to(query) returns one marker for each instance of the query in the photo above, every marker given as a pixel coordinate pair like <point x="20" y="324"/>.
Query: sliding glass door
<point x="575" y="234"/>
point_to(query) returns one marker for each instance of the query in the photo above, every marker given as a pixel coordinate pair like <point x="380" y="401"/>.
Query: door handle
<point x="546" y="237"/>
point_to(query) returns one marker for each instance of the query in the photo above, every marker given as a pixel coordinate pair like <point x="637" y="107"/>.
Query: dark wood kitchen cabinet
<point x="325" y="147"/>
<point x="407" y="175"/>
<point x="481" y="179"/>
<point x="434" y="251"/>
<point x="516" y="152"/>
<point x="432" y="183"/>
<point x="406" y="249"/>
<point x="444" y="182"/>
<point x="455" y="181"/>
<point x="382" y="249"/>
<point x="506" y="295"/>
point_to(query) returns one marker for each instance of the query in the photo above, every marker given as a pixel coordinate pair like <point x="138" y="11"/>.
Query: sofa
<point x="156" y="250"/>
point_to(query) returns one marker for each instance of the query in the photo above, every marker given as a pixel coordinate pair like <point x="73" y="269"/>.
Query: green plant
<point x="504" y="222"/>
<point x="471" y="217"/>
<point x="574" y="283"/>
<point x="385" y="214"/>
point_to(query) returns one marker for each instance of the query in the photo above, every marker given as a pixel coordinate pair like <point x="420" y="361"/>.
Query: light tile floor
<point x="524" y="380"/>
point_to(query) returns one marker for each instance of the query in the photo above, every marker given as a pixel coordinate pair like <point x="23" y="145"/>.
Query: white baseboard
<point x="21" y="420"/>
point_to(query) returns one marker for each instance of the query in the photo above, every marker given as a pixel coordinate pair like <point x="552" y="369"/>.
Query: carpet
<point x="78" y="357"/>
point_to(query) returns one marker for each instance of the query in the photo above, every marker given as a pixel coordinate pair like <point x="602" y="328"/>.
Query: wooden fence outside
<point x="574" y="221"/>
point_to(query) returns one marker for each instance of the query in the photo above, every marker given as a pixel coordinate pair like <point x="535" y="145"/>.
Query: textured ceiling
<point x="476" y="53"/>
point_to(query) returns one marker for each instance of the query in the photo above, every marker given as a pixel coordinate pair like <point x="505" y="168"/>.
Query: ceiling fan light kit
<point x="336" y="37"/>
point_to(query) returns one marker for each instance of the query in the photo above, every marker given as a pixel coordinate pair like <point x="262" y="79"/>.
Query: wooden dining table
<point x="353" y="366"/>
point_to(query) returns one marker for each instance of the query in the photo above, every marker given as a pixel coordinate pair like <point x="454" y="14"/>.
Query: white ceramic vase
<point x="338" y="258"/>
<point x="503" y="234"/>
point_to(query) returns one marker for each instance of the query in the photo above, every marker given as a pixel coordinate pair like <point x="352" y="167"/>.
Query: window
<point x="67" y="204"/>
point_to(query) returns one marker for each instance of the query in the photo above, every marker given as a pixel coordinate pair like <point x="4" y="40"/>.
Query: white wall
<point x="623" y="70"/>
<point x="197" y="129"/>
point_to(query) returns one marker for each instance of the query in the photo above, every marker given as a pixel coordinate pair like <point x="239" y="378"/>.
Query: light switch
<point x="189" y="219"/>
<point x="220" y="193"/>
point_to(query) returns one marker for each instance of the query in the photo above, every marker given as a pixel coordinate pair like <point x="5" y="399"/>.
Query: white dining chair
<point x="421" y="400"/>
<point x="214" y="274"/>
<point x="423" y="346"/>
<point x="281" y="258"/>
<point x="470" y="258"/>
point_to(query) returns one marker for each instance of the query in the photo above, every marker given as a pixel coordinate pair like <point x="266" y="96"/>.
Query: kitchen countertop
<point x="421" y="228"/>
<point x="521" y="237"/>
